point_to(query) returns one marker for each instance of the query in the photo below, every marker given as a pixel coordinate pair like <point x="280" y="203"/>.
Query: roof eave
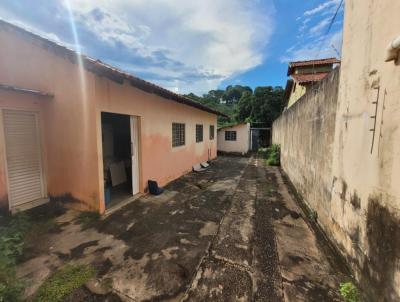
<point x="108" y="71"/>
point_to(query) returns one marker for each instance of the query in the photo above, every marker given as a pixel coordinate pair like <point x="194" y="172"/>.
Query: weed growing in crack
<point x="313" y="215"/>
<point x="349" y="292"/>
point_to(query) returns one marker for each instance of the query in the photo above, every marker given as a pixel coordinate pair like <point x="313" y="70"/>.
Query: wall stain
<point x="379" y="267"/>
<point x="344" y="190"/>
<point x="355" y="200"/>
<point x="355" y="236"/>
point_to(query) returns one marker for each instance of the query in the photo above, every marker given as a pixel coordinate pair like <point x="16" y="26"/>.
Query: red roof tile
<point x="310" y="77"/>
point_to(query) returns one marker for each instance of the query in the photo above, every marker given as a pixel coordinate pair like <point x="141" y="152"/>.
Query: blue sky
<point x="189" y="46"/>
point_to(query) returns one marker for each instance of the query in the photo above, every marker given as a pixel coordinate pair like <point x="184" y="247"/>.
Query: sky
<point x="189" y="46"/>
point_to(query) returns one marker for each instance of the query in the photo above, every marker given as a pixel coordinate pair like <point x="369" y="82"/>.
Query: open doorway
<point x="119" y="139"/>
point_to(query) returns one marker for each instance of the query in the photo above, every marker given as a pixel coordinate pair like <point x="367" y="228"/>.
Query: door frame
<point x="102" y="207"/>
<point x="134" y="129"/>
<point x="43" y="177"/>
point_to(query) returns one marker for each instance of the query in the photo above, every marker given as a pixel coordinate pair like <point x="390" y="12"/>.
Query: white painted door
<point x="24" y="165"/>
<point x="135" y="154"/>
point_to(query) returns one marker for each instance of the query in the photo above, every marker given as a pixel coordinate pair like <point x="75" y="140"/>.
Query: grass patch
<point x="349" y="292"/>
<point x="272" y="155"/>
<point x="20" y="236"/>
<point x="63" y="282"/>
<point x="88" y="219"/>
<point x="13" y="230"/>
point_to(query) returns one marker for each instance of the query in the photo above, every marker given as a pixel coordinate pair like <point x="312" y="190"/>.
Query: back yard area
<point x="234" y="232"/>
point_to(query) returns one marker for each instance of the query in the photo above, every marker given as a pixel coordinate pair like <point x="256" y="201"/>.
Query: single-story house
<point x="234" y="139"/>
<point x="74" y="128"/>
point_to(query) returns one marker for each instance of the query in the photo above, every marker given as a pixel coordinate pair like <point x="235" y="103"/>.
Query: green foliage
<point x="349" y="292"/>
<point x="88" y="219"/>
<point x="271" y="155"/>
<point x="63" y="282"/>
<point x="267" y="104"/>
<point x="242" y="104"/>
<point x="12" y="233"/>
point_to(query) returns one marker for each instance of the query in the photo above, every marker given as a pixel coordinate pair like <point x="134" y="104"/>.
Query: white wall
<point x="242" y="143"/>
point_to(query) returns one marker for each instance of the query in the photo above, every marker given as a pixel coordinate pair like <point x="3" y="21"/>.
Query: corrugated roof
<point x="310" y="77"/>
<point x="318" y="62"/>
<point x="103" y="69"/>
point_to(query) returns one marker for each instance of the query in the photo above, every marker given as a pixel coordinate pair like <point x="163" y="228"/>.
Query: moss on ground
<point x="63" y="282"/>
<point x="88" y="219"/>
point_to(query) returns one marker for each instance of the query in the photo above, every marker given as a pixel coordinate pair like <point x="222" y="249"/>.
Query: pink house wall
<point x="71" y="122"/>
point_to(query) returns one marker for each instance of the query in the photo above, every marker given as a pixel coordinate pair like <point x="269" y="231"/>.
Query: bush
<point x="349" y="292"/>
<point x="271" y="154"/>
<point x="64" y="282"/>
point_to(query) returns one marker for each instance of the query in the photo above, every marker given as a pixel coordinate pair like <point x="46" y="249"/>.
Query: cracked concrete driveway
<point x="230" y="233"/>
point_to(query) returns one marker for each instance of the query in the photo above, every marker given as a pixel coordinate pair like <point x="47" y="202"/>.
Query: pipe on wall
<point x="392" y="52"/>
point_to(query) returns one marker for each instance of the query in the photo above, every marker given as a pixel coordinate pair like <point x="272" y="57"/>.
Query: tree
<point x="267" y="104"/>
<point x="244" y="107"/>
<point x="241" y="104"/>
<point x="233" y="93"/>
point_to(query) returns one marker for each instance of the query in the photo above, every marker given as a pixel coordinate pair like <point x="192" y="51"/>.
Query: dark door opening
<point x="117" y="160"/>
<point x="260" y="138"/>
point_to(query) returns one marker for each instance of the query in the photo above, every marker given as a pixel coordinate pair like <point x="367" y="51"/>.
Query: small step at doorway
<point x="120" y="157"/>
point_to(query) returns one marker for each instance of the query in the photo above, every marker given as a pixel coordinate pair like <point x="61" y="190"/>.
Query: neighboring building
<point x="304" y="74"/>
<point x="234" y="139"/>
<point x="72" y="127"/>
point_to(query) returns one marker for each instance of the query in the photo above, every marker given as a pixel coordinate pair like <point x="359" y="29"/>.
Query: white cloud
<point x="321" y="48"/>
<point x="216" y="38"/>
<point x="320" y="26"/>
<point x="322" y="7"/>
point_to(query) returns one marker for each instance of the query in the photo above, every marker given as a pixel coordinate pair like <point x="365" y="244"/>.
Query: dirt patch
<point x="314" y="291"/>
<point x="82" y="294"/>
<point x="280" y="211"/>
<point x="327" y="247"/>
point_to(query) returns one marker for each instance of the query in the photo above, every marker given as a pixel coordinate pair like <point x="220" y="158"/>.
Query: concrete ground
<point x="231" y="233"/>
